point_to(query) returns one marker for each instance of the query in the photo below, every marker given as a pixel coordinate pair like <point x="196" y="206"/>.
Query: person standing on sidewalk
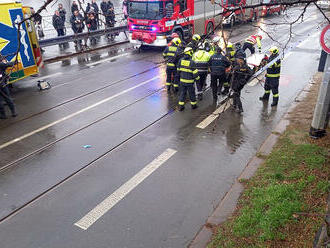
<point x="4" y="91"/>
<point x="58" y="23"/>
<point x="77" y="23"/>
<point x="272" y="77"/>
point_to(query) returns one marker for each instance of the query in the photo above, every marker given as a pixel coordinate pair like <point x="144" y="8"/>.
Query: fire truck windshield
<point x="146" y="10"/>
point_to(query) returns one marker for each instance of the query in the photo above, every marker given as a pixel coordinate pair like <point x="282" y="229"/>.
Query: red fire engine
<point x="152" y="22"/>
<point x="267" y="10"/>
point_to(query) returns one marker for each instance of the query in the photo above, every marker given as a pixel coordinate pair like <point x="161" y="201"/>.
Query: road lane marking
<point x="107" y="59"/>
<point x="208" y="120"/>
<point x="48" y="76"/>
<point x="74" y="114"/>
<point x="108" y="203"/>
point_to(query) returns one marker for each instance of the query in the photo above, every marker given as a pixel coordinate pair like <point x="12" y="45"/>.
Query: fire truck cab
<point x="151" y="22"/>
<point x="267" y="10"/>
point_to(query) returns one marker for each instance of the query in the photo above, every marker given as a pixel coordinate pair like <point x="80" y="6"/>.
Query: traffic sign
<point x="325" y="39"/>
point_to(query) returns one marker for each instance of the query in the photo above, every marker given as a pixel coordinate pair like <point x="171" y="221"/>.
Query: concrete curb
<point x="228" y="203"/>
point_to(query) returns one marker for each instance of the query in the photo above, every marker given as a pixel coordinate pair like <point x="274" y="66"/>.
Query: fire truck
<point x="268" y="10"/>
<point x="151" y="22"/>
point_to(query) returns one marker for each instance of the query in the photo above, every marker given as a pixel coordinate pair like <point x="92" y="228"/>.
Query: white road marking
<point x="107" y="204"/>
<point x="49" y="76"/>
<point x="74" y="114"/>
<point x="208" y="120"/>
<point x="107" y="59"/>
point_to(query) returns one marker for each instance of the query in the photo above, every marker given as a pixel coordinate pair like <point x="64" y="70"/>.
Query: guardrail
<point x="85" y="35"/>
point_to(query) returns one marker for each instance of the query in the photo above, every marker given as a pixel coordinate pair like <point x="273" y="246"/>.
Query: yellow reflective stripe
<point x="273" y="75"/>
<point x="193" y="103"/>
<point x="181" y="103"/>
<point x="185" y="62"/>
<point x="167" y="84"/>
<point x="171" y="54"/>
<point x="276" y="95"/>
<point x="226" y="84"/>
<point x="277" y="65"/>
<point x="185" y="70"/>
<point x="198" y="78"/>
<point x="175" y="85"/>
<point x="172" y="49"/>
<point x="195" y="71"/>
<point x="187" y="80"/>
<point x="170" y="64"/>
<point x="267" y="91"/>
<point x="258" y="42"/>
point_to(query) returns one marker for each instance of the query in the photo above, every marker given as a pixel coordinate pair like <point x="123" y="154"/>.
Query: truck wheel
<point x="209" y="28"/>
<point x="232" y="21"/>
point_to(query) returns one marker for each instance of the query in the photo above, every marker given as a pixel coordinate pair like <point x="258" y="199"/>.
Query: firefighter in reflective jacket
<point x="188" y="76"/>
<point x="201" y="59"/>
<point x="250" y="42"/>
<point x="230" y="53"/>
<point x="272" y="77"/>
<point x="171" y="55"/>
<point x="194" y="42"/>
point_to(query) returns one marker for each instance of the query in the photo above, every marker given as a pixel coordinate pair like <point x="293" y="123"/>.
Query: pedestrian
<point x="251" y="41"/>
<point x="188" y="74"/>
<point x="125" y="8"/>
<point x="92" y="25"/>
<point x="105" y="6"/>
<point x="62" y="11"/>
<point x="218" y="65"/>
<point x="37" y="19"/>
<point x="4" y="91"/>
<point x="201" y="58"/>
<point x="74" y="7"/>
<point x="77" y="24"/>
<point x="58" y="23"/>
<point x="241" y="75"/>
<point x="171" y="55"/>
<point x="272" y="77"/>
<point x="110" y="21"/>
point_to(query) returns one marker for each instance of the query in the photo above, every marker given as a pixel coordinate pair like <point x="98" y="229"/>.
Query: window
<point x="183" y="5"/>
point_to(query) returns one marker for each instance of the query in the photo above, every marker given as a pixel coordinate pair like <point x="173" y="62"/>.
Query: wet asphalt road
<point x="48" y="181"/>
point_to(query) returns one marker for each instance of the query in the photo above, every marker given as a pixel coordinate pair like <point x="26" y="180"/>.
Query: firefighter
<point x="188" y="76"/>
<point x="241" y="75"/>
<point x="272" y="77"/>
<point x="218" y="65"/>
<point x="171" y="55"/>
<point x="230" y="53"/>
<point x="201" y="58"/>
<point x="4" y="91"/>
<point x="250" y="43"/>
<point x="194" y="42"/>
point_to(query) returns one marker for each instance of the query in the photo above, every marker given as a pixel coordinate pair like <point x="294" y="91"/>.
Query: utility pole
<point x="321" y="112"/>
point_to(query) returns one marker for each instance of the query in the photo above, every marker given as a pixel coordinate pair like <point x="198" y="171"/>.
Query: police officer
<point x="251" y="41"/>
<point x="4" y="91"/>
<point x="188" y="76"/>
<point x="241" y="75"/>
<point x="218" y="65"/>
<point x="201" y="59"/>
<point x="172" y="54"/>
<point x="272" y="77"/>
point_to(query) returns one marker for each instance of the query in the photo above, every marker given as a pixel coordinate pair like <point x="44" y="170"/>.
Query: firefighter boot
<point x="168" y="88"/>
<point x="265" y="97"/>
<point x="3" y="114"/>
<point x="194" y="106"/>
<point x="12" y="109"/>
<point x="225" y="91"/>
<point x="181" y="107"/>
<point x="200" y="97"/>
<point x="275" y="102"/>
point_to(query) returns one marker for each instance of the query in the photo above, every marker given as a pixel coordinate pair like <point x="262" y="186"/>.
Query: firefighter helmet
<point x="196" y="37"/>
<point x="230" y="45"/>
<point x="176" y="41"/>
<point x="260" y="37"/>
<point x="189" y="51"/>
<point x="274" y="50"/>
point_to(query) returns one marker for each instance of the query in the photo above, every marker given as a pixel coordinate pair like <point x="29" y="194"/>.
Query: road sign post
<point x="321" y="112"/>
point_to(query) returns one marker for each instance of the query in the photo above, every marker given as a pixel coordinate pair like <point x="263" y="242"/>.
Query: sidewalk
<point x="283" y="202"/>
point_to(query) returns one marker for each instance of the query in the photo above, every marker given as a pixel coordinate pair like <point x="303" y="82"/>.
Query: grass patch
<point x="293" y="179"/>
